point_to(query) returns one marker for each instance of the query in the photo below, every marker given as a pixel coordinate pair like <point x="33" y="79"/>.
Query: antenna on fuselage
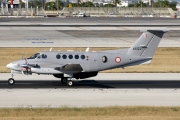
<point x="87" y="49"/>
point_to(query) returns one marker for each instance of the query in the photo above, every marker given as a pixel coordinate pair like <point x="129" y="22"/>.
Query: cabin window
<point x="104" y="59"/>
<point x="76" y="56"/>
<point x="58" y="56"/>
<point x="70" y="56"/>
<point x="82" y="56"/>
<point x="64" y="56"/>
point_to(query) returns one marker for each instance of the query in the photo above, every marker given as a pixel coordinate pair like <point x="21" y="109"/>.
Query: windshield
<point x="34" y="56"/>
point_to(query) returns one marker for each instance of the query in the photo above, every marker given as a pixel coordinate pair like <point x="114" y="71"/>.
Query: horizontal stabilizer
<point x="145" y="61"/>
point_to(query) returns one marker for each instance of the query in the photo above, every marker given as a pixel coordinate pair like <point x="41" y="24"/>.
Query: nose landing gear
<point x="11" y="81"/>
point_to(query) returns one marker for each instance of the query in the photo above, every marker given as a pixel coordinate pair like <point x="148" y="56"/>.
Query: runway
<point x="103" y="80"/>
<point x="90" y="32"/>
<point x="91" y="21"/>
<point x="107" y="89"/>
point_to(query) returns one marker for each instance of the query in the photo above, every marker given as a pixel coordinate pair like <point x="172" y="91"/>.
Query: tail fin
<point x="147" y="43"/>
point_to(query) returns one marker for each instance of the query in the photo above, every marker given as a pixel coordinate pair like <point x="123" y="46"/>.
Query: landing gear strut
<point x="11" y="81"/>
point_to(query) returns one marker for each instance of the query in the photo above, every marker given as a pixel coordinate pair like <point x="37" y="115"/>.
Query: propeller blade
<point x="25" y="60"/>
<point x="22" y="72"/>
<point x="27" y="71"/>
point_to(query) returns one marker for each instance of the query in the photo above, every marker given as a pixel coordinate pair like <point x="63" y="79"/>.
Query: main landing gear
<point x="11" y="81"/>
<point x="67" y="81"/>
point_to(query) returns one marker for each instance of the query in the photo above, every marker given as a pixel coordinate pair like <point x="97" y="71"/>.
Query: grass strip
<point x="95" y="113"/>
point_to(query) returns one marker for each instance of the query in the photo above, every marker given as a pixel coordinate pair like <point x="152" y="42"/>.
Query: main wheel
<point x="11" y="81"/>
<point x="63" y="80"/>
<point x="69" y="82"/>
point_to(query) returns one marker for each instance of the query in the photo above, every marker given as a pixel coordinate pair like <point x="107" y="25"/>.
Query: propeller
<point x="25" y="67"/>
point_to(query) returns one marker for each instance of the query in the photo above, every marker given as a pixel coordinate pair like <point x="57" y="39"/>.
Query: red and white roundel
<point x="118" y="59"/>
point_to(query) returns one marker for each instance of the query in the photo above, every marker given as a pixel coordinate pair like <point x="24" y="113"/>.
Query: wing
<point x="67" y="68"/>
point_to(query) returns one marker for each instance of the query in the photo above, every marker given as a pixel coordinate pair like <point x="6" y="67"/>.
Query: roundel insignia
<point x="118" y="59"/>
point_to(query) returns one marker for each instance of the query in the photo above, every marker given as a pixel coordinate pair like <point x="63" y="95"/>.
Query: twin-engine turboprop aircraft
<point x="67" y="65"/>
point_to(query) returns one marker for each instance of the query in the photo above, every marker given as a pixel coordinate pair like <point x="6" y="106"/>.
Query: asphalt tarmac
<point x="90" y="84"/>
<point x="93" y="20"/>
<point x="89" y="31"/>
<point x="87" y="36"/>
<point x="103" y="80"/>
<point x="106" y="89"/>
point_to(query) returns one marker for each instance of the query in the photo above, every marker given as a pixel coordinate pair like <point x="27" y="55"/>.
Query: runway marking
<point x="43" y="42"/>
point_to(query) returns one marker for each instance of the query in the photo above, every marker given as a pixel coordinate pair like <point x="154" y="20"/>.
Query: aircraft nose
<point x="10" y="65"/>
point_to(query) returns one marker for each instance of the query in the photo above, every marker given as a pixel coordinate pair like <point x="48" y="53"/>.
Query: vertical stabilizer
<point x="147" y="43"/>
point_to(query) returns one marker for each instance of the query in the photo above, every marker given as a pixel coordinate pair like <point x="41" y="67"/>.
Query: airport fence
<point x="121" y="11"/>
<point x="22" y="12"/>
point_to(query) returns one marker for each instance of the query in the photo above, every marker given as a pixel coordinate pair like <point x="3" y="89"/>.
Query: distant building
<point x="178" y="5"/>
<point x="178" y="9"/>
<point x="126" y="3"/>
<point x="15" y="3"/>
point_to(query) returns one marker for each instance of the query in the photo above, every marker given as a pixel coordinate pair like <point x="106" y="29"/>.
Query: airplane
<point x="71" y="65"/>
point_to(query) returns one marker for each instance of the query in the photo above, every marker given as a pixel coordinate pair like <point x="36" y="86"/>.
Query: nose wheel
<point x="11" y="81"/>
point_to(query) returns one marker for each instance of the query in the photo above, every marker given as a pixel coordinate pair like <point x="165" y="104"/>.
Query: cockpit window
<point x="44" y="56"/>
<point x="34" y="56"/>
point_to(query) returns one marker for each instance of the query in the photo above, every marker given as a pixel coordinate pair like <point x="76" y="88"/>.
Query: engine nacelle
<point x="44" y="71"/>
<point x="16" y="72"/>
<point x="27" y="72"/>
<point x="58" y="75"/>
<point x="81" y="75"/>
